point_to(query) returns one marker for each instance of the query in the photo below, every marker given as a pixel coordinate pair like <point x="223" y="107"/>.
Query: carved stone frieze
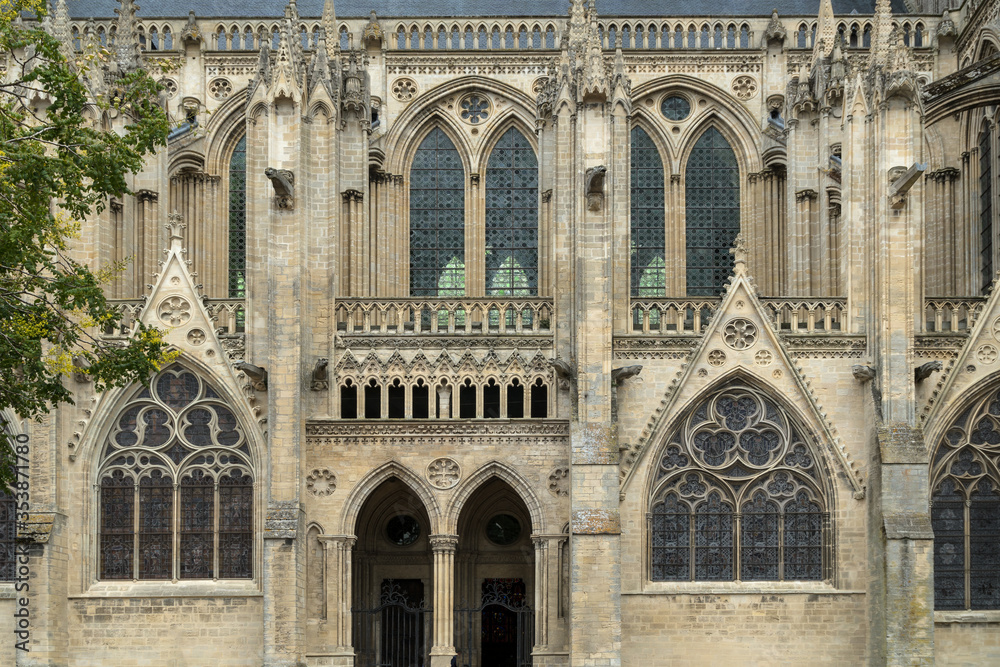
<point x="812" y="346"/>
<point x="655" y="347"/>
<point x="443" y="433"/>
<point x="368" y="342"/>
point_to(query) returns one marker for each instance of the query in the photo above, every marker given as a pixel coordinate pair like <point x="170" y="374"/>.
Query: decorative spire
<point x="175" y="229"/>
<point x="882" y="32"/>
<point x="739" y="253"/>
<point x="775" y="31"/>
<point x="329" y="23"/>
<point x="127" y="36"/>
<point x="61" y="29"/>
<point x="826" y="30"/>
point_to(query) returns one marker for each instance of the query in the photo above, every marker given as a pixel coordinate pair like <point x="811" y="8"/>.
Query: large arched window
<point x="986" y="205"/>
<point x="648" y="245"/>
<point x="738" y="496"/>
<point x="8" y="508"/>
<point x="512" y="218"/>
<point x="437" y="219"/>
<point x="712" y="194"/>
<point x="176" y="486"/>
<point x="965" y="509"/>
<point x="238" y="221"/>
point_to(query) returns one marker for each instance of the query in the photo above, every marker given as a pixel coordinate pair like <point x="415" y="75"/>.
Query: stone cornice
<point x="468" y="432"/>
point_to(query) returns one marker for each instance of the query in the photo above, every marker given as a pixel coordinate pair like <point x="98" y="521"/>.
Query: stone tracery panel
<point x="176" y="469"/>
<point x="738" y="496"/>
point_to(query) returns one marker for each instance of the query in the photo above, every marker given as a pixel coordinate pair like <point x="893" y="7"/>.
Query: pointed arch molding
<point x="370" y="482"/>
<point x="407" y="131"/>
<point x="506" y="473"/>
<point x="782" y="379"/>
<point x="730" y="117"/>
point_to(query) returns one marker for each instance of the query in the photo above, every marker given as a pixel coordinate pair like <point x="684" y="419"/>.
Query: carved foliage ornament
<point x="321" y="482"/>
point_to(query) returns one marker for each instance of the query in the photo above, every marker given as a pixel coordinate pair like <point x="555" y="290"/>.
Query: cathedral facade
<point x="548" y="333"/>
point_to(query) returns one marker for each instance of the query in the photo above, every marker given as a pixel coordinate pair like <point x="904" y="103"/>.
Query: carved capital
<point x="446" y="544"/>
<point x="147" y="195"/>
<point x="352" y="195"/>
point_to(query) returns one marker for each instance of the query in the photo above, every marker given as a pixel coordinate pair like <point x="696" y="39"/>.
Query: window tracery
<point x="238" y="220"/>
<point x="176" y="486"/>
<point x="965" y="509"/>
<point x="986" y="205"/>
<point x="712" y="193"/>
<point x="737" y="496"/>
<point x="437" y="219"/>
<point x="512" y="218"/>
<point x="648" y="231"/>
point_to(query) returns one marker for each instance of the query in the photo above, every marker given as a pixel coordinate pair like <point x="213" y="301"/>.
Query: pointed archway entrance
<point x="392" y="579"/>
<point x="494" y="585"/>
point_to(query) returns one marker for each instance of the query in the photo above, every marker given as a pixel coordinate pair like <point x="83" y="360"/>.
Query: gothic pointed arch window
<point x="738" y="496"/>
<point x="238" y="220"/>
<point x="176" y="486"/>
<point x="965" y="509"/>
<point x="986" y="205"/>
<point x="648" y="242"/>
<point x="437" y="219"/>
<point x="512" y="217"/>
<point x="712" y="195"/>
<point x="8" y="507"/>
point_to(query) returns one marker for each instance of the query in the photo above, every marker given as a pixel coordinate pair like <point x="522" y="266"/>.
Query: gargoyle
<point x="256" y="375"/>
<point x="564" y="371"/>
<point x="619" y="375"/>
<point x="320" y="379"/>
<point x="863" y="373"/>
<point x="923" y="371"/>
<point x="283" y="182"/>
<point x="595" y="187"/>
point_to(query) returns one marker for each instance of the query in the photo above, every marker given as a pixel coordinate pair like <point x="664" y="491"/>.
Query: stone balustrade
<point x="951" y="315"/>
<point x="229" y="315"/>
<point x="512" y="316"/>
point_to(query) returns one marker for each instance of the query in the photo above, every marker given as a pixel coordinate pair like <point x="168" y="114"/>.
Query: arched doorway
<point x="494" y="585"/>
<point x="392" y="579"/>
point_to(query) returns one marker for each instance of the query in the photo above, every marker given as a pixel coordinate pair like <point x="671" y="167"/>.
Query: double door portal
<point x="498" y="632"/>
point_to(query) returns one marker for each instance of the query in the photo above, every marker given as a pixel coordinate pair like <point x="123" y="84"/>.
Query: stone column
<point x="339" y="587"/>
<point x="443" y="649"/>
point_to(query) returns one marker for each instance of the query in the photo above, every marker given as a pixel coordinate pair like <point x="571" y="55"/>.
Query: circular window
<point x="402" y="530"/>
<point x="503" y="529"/>
<point x="675" y="108"/>
<point x="474" y="109"/>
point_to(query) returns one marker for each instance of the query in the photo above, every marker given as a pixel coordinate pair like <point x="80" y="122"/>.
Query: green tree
<point x="56" y="168"/>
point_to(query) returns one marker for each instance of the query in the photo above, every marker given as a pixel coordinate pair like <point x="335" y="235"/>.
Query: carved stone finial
<point x="127" y="40"/>
<point x="175" y="230"/>
<point x="863" y="373"/>
<point x="739" y="253"/>
<point x="775" y="31"/>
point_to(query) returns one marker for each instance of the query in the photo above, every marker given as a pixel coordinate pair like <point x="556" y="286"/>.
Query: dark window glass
<point x="437" y="219"/>
<point x="238" y="220"/>
<point x="512" y="218"/>
<point x="948" y="520"/>
<point x="986" y="207"/>
<point x="156" y="505"/>
<point x="649" y="273"/>
<point x="803" y="540"/>
<point x="759" y="555"/>
<point x="675" y="108"/>
<point x="515" y="400"/>
<point x="117" y="526"/>
<point x="421" y="401"/>
<point x="539" y="400"/>
<point x="984" y="547"/>
<point x="373" y="401"/>
<point x="712" y="192"/>
<point x="397" y="400"/>
<point x="713" y="540"/>
<point x="467" y="401"/>
<point x="491" y="400"/>
<point x="236" y="526"/>
<point x="349" y="402"/>
<point x="197" y="526"/>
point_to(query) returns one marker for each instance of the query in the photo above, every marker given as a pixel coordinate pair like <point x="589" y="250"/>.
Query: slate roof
<point x="83" y="9"/>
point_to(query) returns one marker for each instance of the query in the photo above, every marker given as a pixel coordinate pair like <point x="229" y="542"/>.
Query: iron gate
<point x="500" y="631"/>
<point x="395" y="633"/>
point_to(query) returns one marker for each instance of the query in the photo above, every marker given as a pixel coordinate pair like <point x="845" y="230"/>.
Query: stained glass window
<point x="238" y="220"/>
<point x="986" y="207"/>
<point x="512" y="218"/>
<point x="176" y="429"/>
<point x="649" y="273"/>
<point x="965" y="509"/>
<point x="712" y="192"/>
<point x="437" y="219"/>
<point x="737" y="449"/>
<point x="8" y="535"/>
